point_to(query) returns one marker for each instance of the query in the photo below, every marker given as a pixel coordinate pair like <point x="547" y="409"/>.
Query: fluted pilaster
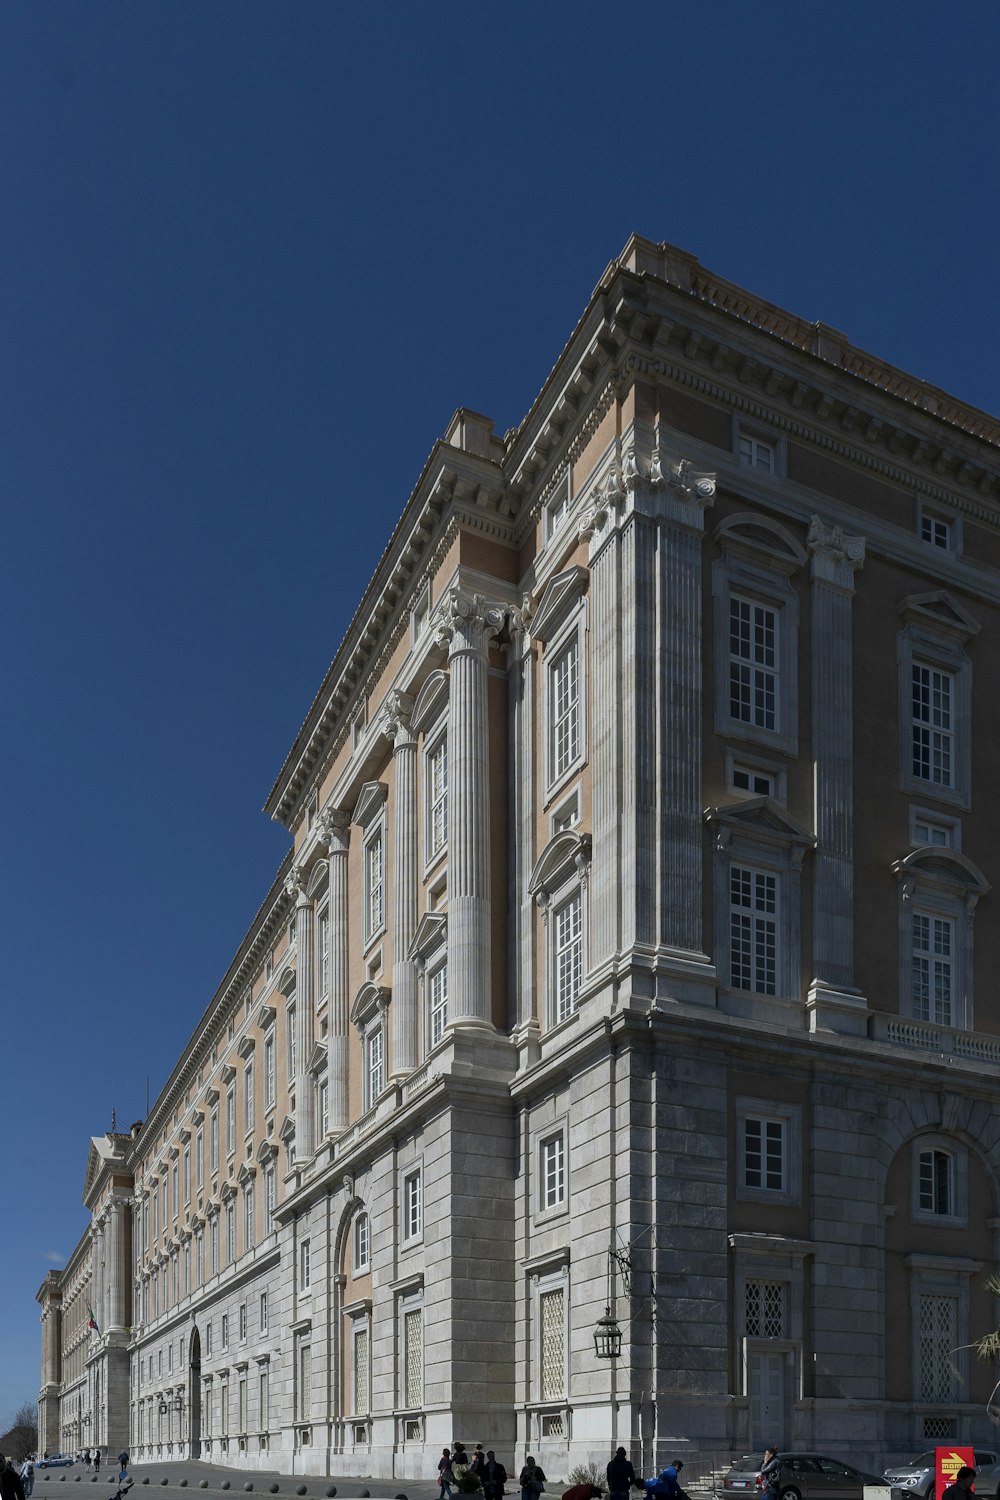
<point x="115" y="1269"/>
<point x="835" y="559"/>
<point x="97" y="1262"/>
<point x="467" y="622"/>
<point x="335" y="829"/>
<point x="305" y="1010"/>
<point x="404" y="1010"/>
<point x="521" y="799"/>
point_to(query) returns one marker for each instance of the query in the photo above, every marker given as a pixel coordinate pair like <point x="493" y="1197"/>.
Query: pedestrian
<point x="11" y="1487"/>
<point x="86" y="1457"/>
<point x="621" y="1476"/>
<point x="123" y="1463"/>
<point x="961" y="1485"/>
<point x="477" y="1460"/>
<point x="446" y="1474"/>
<point x="531" y="1479"/>
<point x="28" y="1477"/>
<point x="97" y="1460"/>
<point x="770" y="1469"/>
<point x="582" y="1492"/>
<point x="493" y="1476"/>
<point x="459" y="1460"/>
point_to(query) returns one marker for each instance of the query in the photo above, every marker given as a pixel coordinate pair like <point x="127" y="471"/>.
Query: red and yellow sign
<point x="947" y="1462"/>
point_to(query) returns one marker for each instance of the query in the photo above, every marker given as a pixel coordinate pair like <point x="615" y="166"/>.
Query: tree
<point x="21" y="1438"/>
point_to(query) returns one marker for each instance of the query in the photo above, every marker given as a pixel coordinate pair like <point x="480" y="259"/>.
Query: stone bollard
<point x="225" y="1484"/>
<point x="330" y="1491"/>
<point x="203" y="1484"/>
<point x="273" y="1488"/>
<point x="300" y="1489"/>
<point x="183" y="1484"/>
<point x="248" y="1486"/>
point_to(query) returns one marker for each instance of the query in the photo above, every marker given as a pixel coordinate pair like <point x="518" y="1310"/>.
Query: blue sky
<point x="253" y="256"/>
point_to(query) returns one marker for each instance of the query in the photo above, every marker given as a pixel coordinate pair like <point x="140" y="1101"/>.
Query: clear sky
<point x="252" y="258"/>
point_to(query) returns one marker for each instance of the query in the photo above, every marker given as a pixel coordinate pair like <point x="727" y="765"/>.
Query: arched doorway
<point x="194" y="1404"/>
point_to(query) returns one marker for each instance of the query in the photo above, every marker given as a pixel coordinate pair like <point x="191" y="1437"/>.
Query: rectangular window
<point x="270" y="1190"/>
<point x="564" y="683"/>
<point x="553" y="1172"/>
<point x="755" y="453"/>
<point x="263" y="1312"/>
<point x="305" y="1382"/>
<point x="765" y="1310"/>
<point x="230" y="1234"/>
<point x="248" y="1098"/>
<point x="437" y="797"/>
<point x="199" y="1258"/>
<point x="291" y="1043"/>
<point x="936" y="530"/>
<point x="214" y="1142"/>
<point x="265" y="1400"/>
<point x="753" y="663"/>
<point x="935" y="1182"/>
<point x="747" y="779"/>
<point x="557" y="508"/>
<point x="224" y="1332"/>
<point x="322" y="956"/>
<point x="230" y="1122"/>
<point x="323" y="1109"/>
<point x="243" y="1322"/>
<point x="413" y="1358"/>
<point x="224" y="1408"/>
<point x="269" y="1078"/>
<point x="361" y="1370"/>
<point x="568" y="921"/>
<point x="933" y="725"/>
<point x="552" y="1316"/>
<point x="248" y="1226"/>
<point x="187" y="1183"/>
<point x="362" y="1243"/>
<point x="199" y="1158"/>
<point x="305" y="1266"/>
<point x="753" y="930"/>
<point x="413" y="1222"/>
<point x="374" y="885"/>
<point x="376" y="1075"/>
<point x="764" y="1154"/>
<point x="927" y="832"/>
<point x="208" y="1338"/>
<point x="214" y="1251"/>
<point x="937" y="1338"/>
<point x="439" y="1003"/>
<point x="176" y="1191"/>
<point x="241" y="1404"/>
<point x="933" y="971"/>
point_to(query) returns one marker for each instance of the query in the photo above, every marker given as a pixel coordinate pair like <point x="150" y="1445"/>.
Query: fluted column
<point x="305" y="1009"/>
<point x="335" y="829"/>
<point x="521" y="801"/>
<point x="97" y="1265"/>
<point x="833" y="1002"/>
<point x="115" y="1268"/>
<point x="468" y="622"/>
<point x="403" y="1012"/>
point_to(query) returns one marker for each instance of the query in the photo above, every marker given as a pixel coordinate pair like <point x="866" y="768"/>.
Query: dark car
<point x="54" y="1461"/>
<point x="917" y="1477"/>
<point x="802" y="1476"/>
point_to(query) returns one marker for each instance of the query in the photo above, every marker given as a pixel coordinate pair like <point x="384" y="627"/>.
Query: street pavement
<point x="185" y="1476"/>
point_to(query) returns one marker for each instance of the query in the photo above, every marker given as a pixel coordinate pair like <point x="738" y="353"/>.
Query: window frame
<point x="918" y="645"/>
<point x="412" y="1207"/>
<point x="939" y="883"/>
<point x="374" y="835"/>
<point x="435" y="744"/>
<point x="758" y="433"/>
<point x="958" y="1158"/>
<point x="547" y="1207"/>
<point x="359" y="1266"/>
<point x="930" y="512"/>
<point x="789" y="1116"/>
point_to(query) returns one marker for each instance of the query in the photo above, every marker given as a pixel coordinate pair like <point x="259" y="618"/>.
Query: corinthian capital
<point x="293" y="883"/>
<point x="334" y="824"/>
<point x="468" y="622"/>
<point x="396" y="717"/>
<point x="835" y="557"/>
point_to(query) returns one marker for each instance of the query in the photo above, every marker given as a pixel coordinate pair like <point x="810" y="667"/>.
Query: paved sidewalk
<point x="187" y="1475"/>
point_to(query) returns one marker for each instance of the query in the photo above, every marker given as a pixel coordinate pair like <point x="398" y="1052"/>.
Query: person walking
<point x="86" y="1457"/>
<point x="961" y="1486"/>
<point x="531" y="1479"/>
<point x="11" y="1487"/>
<point x="123" y="1463"/>
<point x="621" y="1476"/>
<point x="97" y="1460"/>
<point x="492" y="1476"/>
<point x="767" y="1479"/>
<point x="446" y="1474"/>
<point x="28" y="1477"/>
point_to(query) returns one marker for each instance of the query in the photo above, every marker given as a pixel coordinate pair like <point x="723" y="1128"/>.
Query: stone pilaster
<point x="115" y="1269"/>
<point x="97" y="1264"/>
<point x="833" y="1002"/>
<point x="305" y="1010"/>
<point x="521" y="801"/>
<point x="467" y="622"/>
<point x="335" y="829"/>
<point x="403" y="1011"/>
<point x="605" y="726"/>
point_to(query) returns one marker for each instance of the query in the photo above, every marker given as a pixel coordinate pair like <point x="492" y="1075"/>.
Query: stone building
<point x="632" y="957"/>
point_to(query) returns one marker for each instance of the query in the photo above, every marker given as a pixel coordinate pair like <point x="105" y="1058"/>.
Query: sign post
<point x="947" y="1462"/>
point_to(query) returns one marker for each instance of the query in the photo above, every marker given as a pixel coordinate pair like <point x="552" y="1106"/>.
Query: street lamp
<point x="607" y="1334"/>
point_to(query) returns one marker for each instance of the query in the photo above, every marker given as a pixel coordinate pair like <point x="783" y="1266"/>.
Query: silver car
<point x="917" y="1477"/>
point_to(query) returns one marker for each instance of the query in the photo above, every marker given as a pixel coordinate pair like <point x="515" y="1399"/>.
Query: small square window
<point x="566" y="815"/>
<point x="757" y="783"/>
<point x="758" y="450"/>
<point x="936" y="530"/>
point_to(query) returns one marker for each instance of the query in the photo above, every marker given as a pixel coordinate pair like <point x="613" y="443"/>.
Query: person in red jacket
<point x="582" y="1492"/>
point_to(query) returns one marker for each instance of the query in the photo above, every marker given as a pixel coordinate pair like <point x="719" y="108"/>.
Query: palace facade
<point x="633" y="958"/>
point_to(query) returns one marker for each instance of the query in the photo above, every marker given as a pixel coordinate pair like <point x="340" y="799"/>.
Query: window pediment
<point x="374" y="795"/>
<point x="246" y="1175"/>
<point x="286" y="981"/>
<point x="266" y="1151"/>
<point x="431" y="702"/>
<point x="757" y="538"/>
<point x="317" y="1058"/>
<point x="566" y="854"/>
<point x="287" y="1131"/>
<point x="944" y="869"/>
<point x="759" y="818"/>
<point x="561" y="595"/>
<point x="246" y="1046"/>
<point x="370" y="999"/>
<point x="318" y="878"/>
<point x="939" y="610"/>
<point x="431" y="934"/>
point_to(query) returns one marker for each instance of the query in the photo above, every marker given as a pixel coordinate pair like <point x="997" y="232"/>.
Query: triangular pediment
<point x="287" y="1130"/>
<point x="761" y="817"/>
<point x="317" y="1058"/>
<point x="431" y="933"/>
<point x="562" y="594"/>
<point x="942" y="611"/>
<point x="370" y="803"/>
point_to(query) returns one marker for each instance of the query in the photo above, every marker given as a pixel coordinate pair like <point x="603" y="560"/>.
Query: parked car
<point x="802" y="1476"/>
<point x="917" y="1477"/>
<point x="54" y="1461"/>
